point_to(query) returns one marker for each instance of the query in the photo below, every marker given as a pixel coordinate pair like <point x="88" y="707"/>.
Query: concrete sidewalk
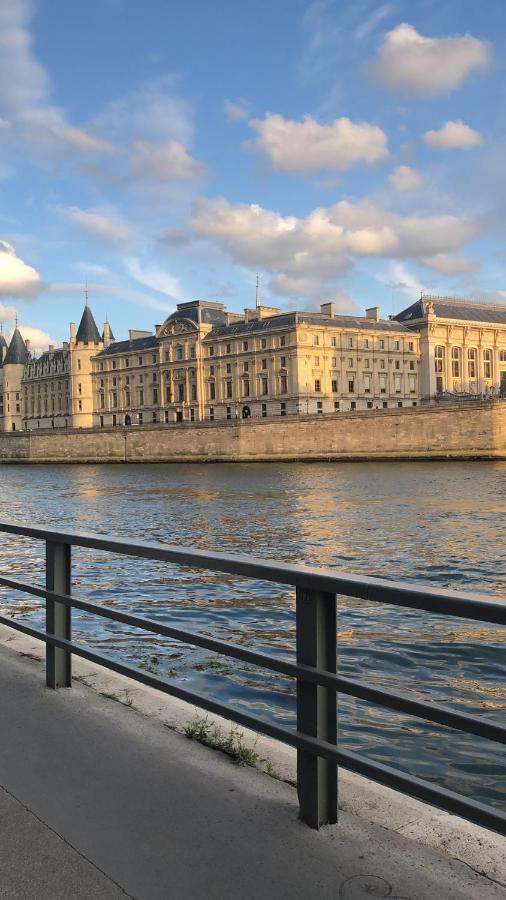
<point x="100" y="801"/>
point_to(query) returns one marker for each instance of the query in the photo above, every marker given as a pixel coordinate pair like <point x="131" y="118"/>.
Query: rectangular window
<point x="456" y="362"/>
<point x="265" y="386"/>
<point x="319" y="407"/>
<point x="227" y="348"/>
<point x="192" y="415"/>
<point x="229" y="412"/>
<point x="229" y="368"/>
<point x="283" y="409"/>
<point x="212" y="391"/>
<point x="397" y="364"/>
<point x="334" y="385"/>
<point x="383" y="384"/>
<point x="80" y="405"/>
<point x="193" y="391"/>
<point x="412" y="384"/>
<point x="284" y="384"/>
<point x="350" y="342"/>
<point x="471" y="362"/>
<point x="245" y="345"/>
<point x="211" y="350"/>
<point x="317" y="386"/>
<point x="264" y="410"/>
<point x="283" y="362"/>
<point x="245" y="388"/>
<point x="410" y="346"/>
<point x="141" y="418"/>
<point x="211" y="370"/>
<point x="351" y="385"/>
<point x="141" y="398"/>
<point x="487" y="363"/>
<point x="412" y="366"/>
<point x="382" y="344"/>
<point x="397" y="379"/>
<point x="282" y="340"/>
<point x="397" y="345"/>
<point x="211" y="413"/>
<point x="245" y="367"/>
<point x="367" y="384"/>
<point x="366" y="344"/>
<point x="334" y="362"/>
<point x="382" y="363"/>
<point x="180" y="392"/>
<point x="316" y="340"/>
<point x="317" y="361"/>
<point x="264" y="364"/>
<point x="336" y="405"/>
<point x="155" y="396"/>
<point x="166" y="417"/>
<point x="353" y="404"/>
<point x="333" y="341"/>
<point x="439" y="359"/>
<point x="127" y="363"/>
<point x="366" y="364"/>
<point x="228" y="389"/>
<point x="140" y="360"/>
<point x="263" y="343"/>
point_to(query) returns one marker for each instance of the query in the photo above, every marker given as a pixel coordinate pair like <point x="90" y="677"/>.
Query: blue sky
<point x="168" y="151"/>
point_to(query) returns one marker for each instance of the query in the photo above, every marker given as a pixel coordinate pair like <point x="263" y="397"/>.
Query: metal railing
<point x="315" y="670"/>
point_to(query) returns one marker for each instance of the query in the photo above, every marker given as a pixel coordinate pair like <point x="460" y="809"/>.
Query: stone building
<point x="205" y="363"/>
<point x="462" y="346"/>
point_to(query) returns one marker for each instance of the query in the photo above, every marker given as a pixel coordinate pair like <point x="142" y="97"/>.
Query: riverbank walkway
<point x="99" y="801"/>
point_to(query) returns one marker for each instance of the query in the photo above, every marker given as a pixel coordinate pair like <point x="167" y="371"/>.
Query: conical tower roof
<point x="87" y="333"/>
<point x="17" y="354"/>
<point x="112" y="338"/>
<point x="3" y="345"/>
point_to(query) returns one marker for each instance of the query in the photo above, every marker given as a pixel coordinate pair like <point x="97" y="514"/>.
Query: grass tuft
<point x="231" y="743"/>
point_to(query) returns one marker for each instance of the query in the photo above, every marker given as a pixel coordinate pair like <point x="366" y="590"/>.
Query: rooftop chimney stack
<point x="328" y="309"/>
<point x="373" y="313"/>
<point x="72" y="334"/>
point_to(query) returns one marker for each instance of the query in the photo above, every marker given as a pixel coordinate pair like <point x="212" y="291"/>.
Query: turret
<point x="84" y="345"/>
<point x="13" y="368"/>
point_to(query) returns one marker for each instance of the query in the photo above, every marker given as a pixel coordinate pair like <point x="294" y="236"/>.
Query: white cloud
<point x="166" y="162"/>
<point x="310" y="289"/>
<point x="448" y="264"/>
<point x="321" y="246"/>
<point x="7" y="313"/>
<point x="307" y="146"/>
<point x="404" y="178"/>
<point x="236" y="110"/>
<point x="105" y="228"/>
<point x="39" y="340"/>
<point x="453" y="136"/>
<point x="25" y="104"/>
<point x="17" y="279"/>
<point x="401" y="279"/>
<point x="426" y="67"/>
<point x="154" y="277"/>
<point x="149" y="113"/>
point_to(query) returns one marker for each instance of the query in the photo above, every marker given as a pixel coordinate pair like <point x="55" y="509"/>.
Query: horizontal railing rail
<point x="315" y="737"/>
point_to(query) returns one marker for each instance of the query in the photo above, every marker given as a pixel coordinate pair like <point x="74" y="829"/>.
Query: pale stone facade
<point x="462" y="346"/>
<point x="206" y="364"/>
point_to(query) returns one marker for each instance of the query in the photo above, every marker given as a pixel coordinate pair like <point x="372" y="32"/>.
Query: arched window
<point x="487" y="363"/>
<point x="471" y="362"/>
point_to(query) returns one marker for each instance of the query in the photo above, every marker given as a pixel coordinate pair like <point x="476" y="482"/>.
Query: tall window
<point x="284" y="384"/>
<point x="397" y="381"/>
<point x="334" y="386"/>
<point x="212" y="391"/>
<point x="471" y="362"/>
<point x="456" y="362"/>
<point x="367" y="384"/>
<point x="412" y="384"/>
<point x="228" y="389"/>
<point x="265" y="386"/>
<point x="351" y="385"/>
<point x="439" y="359"/>
<point x="245" y="387"/>
<point x="383" y="384"/>
<point x="317" y="386"/>
<point x="487" y="363"/>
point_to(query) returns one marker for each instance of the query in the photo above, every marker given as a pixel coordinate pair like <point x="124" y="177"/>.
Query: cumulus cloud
<point x="310" y="289"/>
<point x="308" y="146"/>
<point x="322" y="245"/>
<point x="425" y="67"/>
<point x="7" y="313"/>
<point x="170" y="161"/>
<point x="25" y="103"/>
<point x="404" y="178"/>
<point x="17" y="278"/>
<point x="236" y="110"/>
<point x="448" y="264"/>
<point x="105" y="228"/>
<point x="39" y="340"/>
<point x="453" y="136"/>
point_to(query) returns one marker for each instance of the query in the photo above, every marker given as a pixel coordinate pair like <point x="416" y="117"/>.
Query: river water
<point x="440" y="523"/>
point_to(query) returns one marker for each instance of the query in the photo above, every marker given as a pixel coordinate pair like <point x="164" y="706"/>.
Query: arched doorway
<point x="128" y="420"/>
<point x="246" y="412"/>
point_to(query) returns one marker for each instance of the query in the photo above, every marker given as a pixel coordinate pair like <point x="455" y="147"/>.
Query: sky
<point x="164" y="152"/>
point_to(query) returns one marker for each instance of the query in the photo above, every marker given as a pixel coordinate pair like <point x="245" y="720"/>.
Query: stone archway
<point x="246" y="412"/>
<point x="128" y="420"/>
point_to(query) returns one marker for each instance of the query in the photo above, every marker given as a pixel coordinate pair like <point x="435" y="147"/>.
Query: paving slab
<point x="159" y="816"/>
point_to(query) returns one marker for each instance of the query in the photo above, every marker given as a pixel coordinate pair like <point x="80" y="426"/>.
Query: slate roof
<point x="17" y="354"/>
<point x="447" y="308"/>
<point x="3" y="343"/>
<point x="138" y="344"/>
<point x="87" y="333"/>
<point x="317" y="320"/>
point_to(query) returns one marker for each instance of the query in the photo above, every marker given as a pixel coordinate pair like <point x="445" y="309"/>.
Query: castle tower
<point x="13" y="367"/>
<point x="84" y="345"/>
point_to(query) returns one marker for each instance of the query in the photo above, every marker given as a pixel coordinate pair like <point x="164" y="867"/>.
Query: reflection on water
<point x="438" y="522"/>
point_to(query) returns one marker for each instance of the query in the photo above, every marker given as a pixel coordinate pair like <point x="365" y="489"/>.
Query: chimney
<point x="51" y="348"/>
<point x="72" y="333"/>
<point x="107" y="334"/>
<point x="327" y="310"/>
<point x="373" y="313"/>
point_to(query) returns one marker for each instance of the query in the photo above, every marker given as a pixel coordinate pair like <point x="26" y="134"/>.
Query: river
<point x="441" y="523"/>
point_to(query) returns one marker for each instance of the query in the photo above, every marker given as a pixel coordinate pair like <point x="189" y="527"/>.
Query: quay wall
<point x="476" y="431"/>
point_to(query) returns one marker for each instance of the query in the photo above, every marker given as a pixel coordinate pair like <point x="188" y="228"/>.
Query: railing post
<point x="58" y="616"/>
<point x="316" y="621"/>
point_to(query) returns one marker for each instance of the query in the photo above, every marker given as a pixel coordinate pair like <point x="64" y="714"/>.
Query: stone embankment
<point x="467" y="431"/>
